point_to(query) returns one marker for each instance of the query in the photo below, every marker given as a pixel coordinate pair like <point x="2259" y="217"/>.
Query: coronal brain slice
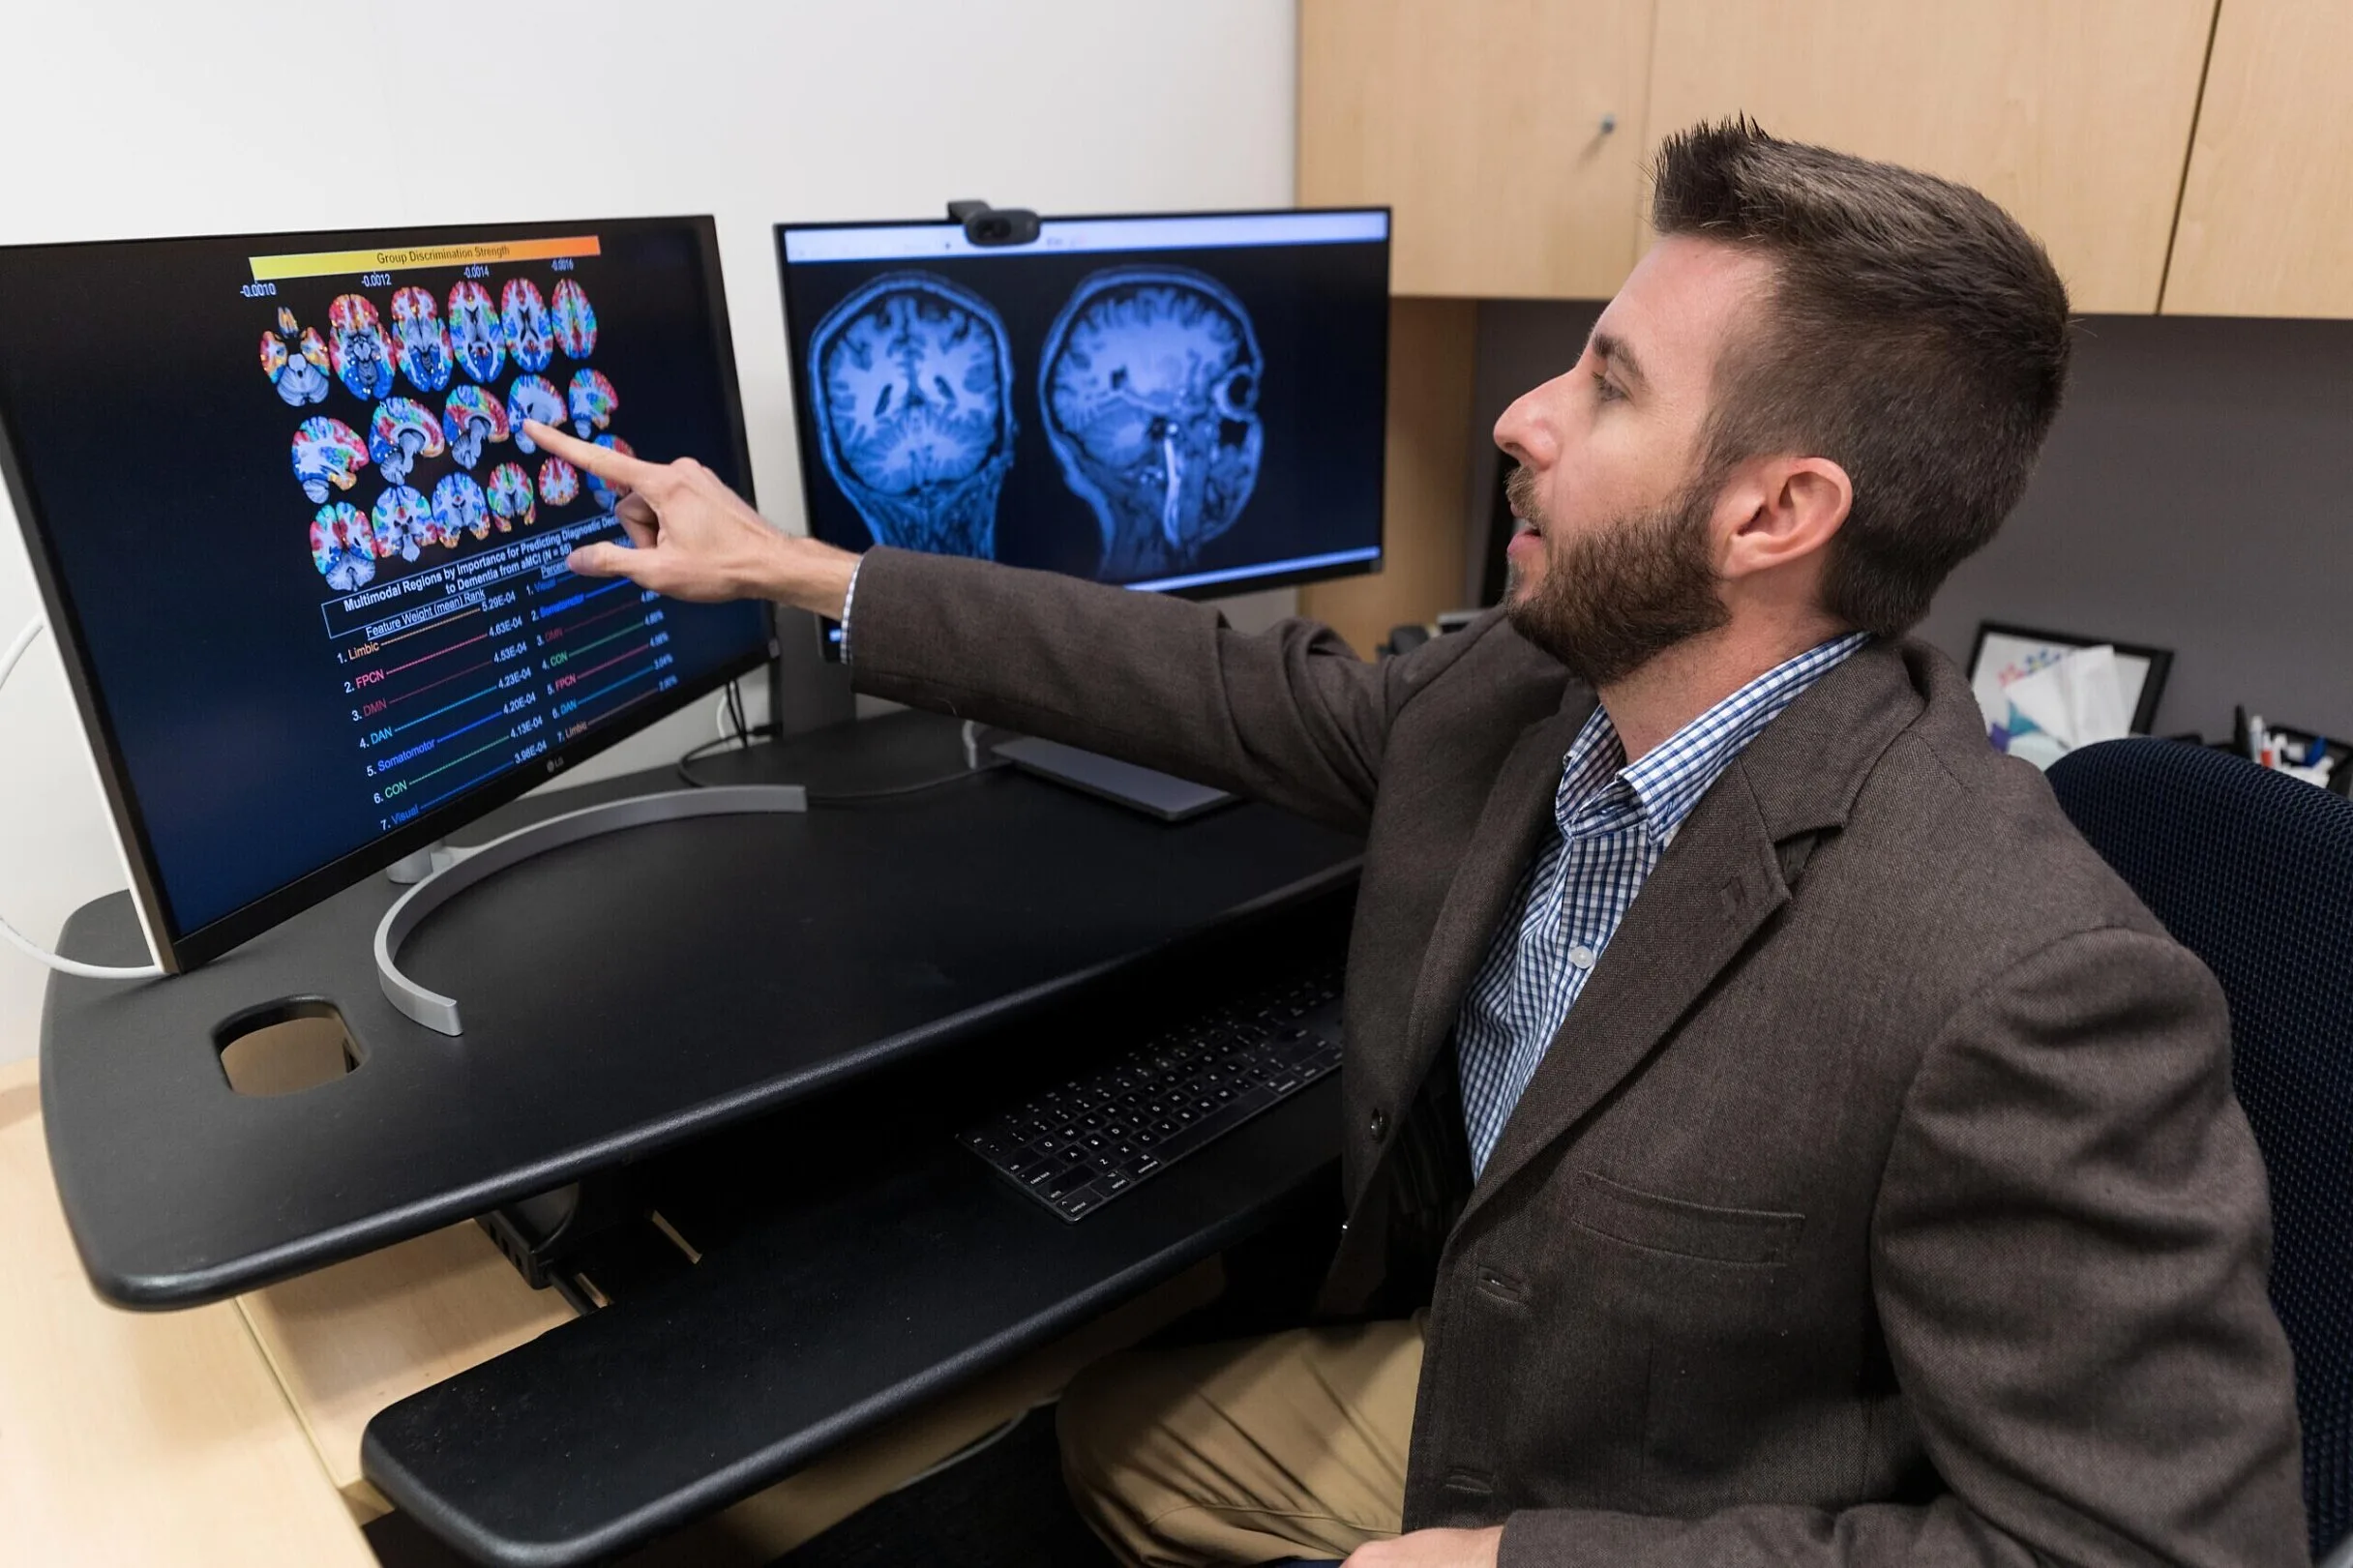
<point x="1149" y="384"/>
<point x="912" y="379"/>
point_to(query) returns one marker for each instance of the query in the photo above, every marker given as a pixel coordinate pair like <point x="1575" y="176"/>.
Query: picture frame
<point x="2142" y="669"/>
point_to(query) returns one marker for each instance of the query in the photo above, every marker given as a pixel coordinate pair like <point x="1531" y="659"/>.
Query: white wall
<point x="184" y="116"/>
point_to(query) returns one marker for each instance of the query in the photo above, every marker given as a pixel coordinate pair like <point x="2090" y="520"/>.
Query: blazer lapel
<point x="1717" y="884"/>
<point x="1518" y="813"/>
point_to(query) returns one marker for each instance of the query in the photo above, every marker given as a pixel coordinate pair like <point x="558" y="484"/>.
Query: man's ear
<point x="1784" y="508"/>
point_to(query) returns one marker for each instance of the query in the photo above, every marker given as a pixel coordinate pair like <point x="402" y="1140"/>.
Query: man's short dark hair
<point x="1917" y="336"/>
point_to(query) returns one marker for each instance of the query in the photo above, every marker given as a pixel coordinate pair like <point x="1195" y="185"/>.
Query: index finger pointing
<point x="602" y="461"/>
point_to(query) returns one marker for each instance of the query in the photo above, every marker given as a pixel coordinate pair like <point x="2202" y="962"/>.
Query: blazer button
<point x="1378" y="1124"/>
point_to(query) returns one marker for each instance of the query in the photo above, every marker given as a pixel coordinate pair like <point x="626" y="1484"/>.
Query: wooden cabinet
<point x="2073" y="114"/>
<point x="1482" y="123"/>
<point x="2267" y="211"/>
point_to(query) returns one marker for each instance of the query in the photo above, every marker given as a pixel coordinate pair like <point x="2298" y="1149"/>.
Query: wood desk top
<point x="137" y="1438"/>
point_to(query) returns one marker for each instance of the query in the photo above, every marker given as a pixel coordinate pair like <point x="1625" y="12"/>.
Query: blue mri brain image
<point x="913" y="378"/>
<point x="326" y="452"/>
<point x="403" y="431"/>
<point x="477" y="336"/>
<point x="420" y="343"/>
<point x="1148" y="383"/>
<point x="296" y="362"/>
<point x="522" y="319"/>
<point x="533" y="396"/>
<point x="402" y="521"/>
<point x="459" y="506"/>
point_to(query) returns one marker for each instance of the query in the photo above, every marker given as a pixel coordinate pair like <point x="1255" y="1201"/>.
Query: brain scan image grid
<point x="453" y="347"/>
<point x="1148" y="390"/>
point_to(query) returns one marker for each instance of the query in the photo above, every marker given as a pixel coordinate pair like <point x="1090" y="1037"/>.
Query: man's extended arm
<point x="1289" y="716"/>
<point x="2069" y="1253"/>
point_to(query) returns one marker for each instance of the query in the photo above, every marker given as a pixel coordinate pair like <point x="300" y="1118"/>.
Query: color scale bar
<point x="331" y="263"/>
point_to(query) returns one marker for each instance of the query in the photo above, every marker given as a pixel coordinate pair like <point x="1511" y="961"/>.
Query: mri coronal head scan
<point x="1148" y="385"/>
<point x="912" y="379"/>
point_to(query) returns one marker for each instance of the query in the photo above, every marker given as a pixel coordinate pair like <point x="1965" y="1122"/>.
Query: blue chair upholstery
<point x="2252" y="871"/>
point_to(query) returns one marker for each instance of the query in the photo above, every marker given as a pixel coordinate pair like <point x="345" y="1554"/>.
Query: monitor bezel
<point x="1267" y="584"/>
<point x="177" y="951"/>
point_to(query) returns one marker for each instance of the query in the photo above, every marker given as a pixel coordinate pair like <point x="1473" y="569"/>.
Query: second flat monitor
<point x="1181" y="403"/>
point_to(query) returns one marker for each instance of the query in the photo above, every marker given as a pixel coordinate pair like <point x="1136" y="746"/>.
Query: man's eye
<point x="1604" y="389"/>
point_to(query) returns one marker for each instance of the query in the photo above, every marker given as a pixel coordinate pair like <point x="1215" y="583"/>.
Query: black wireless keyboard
<point x="1077" y="1147"/>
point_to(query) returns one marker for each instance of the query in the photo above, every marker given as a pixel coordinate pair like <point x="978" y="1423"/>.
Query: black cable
<point x="743" y="732"/>
<point x="685" y="764"/>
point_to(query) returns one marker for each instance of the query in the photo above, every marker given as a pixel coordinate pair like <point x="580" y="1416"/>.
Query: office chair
<point x="2253" y="870"/>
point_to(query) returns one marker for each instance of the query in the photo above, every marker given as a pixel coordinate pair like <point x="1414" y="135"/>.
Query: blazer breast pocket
<point x="1679" y="1229"/>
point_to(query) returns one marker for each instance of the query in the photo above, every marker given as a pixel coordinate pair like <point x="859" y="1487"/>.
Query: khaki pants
<point x="1290" y="1446"/>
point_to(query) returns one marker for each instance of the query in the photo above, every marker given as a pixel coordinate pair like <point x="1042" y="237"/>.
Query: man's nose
<point x="1523" y="432"/>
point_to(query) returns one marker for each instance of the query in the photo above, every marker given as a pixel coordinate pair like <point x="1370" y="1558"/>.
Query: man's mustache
<point x="1520" y="494"/>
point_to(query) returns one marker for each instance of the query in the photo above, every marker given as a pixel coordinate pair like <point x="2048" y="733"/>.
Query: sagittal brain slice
<point x="913" y="378"/>
<point x="470" y="418"/>
<point x="533" y="396"/>
<point x="326" y="452"/>
<point x="403" y="431"/>
<point x="1149" y="384"/>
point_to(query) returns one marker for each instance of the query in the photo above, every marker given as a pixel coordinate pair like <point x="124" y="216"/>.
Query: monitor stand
<point x="1155" y="794"/>
<point x="439" y="873"/>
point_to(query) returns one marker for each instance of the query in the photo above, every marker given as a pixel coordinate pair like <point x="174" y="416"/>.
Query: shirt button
<point x="1378" y="1124"/>
<point x="1581" y="955"/>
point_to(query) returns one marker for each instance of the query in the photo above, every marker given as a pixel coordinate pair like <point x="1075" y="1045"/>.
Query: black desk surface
<point x="883" y="1265"/>
<point x="620" y="995"/>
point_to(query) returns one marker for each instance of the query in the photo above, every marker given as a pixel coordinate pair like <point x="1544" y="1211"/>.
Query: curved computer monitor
<point x="1185" y="403"/>
<point x="305" y="568"/>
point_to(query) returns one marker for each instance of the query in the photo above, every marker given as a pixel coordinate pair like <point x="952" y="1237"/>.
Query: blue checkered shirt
<point x="1615" y="822"/>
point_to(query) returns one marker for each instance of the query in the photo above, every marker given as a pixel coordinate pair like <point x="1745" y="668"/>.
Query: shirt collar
<point x="1664" y="787"/>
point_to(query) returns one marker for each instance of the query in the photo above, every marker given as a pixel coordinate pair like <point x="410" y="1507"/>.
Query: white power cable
<point x="16" y="938"/>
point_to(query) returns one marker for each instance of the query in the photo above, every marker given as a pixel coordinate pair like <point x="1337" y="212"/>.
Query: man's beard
<point x="1613" y="599"/>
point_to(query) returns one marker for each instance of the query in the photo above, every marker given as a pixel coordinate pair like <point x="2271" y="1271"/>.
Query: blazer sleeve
<point x="2070" y="1252"/>
<point x="1289" y="716"/>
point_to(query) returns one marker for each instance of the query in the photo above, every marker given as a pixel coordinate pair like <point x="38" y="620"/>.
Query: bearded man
<point x="1772" y="1135"/>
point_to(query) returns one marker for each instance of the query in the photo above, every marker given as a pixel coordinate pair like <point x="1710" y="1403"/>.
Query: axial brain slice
<point x="911" y="376"/>
<point x="1150" y="386"/>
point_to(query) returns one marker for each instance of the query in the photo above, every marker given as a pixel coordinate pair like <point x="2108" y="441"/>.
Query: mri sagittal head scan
<point x="913" y="378"/>
<point x="1149" y="384"/>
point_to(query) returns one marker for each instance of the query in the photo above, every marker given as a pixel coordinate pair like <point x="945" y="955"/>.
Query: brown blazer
<point x="1884" y="1197"/>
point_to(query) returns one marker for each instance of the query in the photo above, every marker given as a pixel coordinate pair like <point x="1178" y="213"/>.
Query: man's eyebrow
<point x="1622" y="358"/>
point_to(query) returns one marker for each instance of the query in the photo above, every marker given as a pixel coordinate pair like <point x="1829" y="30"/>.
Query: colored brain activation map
<point x="319" y="589"/>
<point x="1163" y="402"/>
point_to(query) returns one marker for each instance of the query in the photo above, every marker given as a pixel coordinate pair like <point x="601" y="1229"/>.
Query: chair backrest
<point x="2253" y="870"/>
